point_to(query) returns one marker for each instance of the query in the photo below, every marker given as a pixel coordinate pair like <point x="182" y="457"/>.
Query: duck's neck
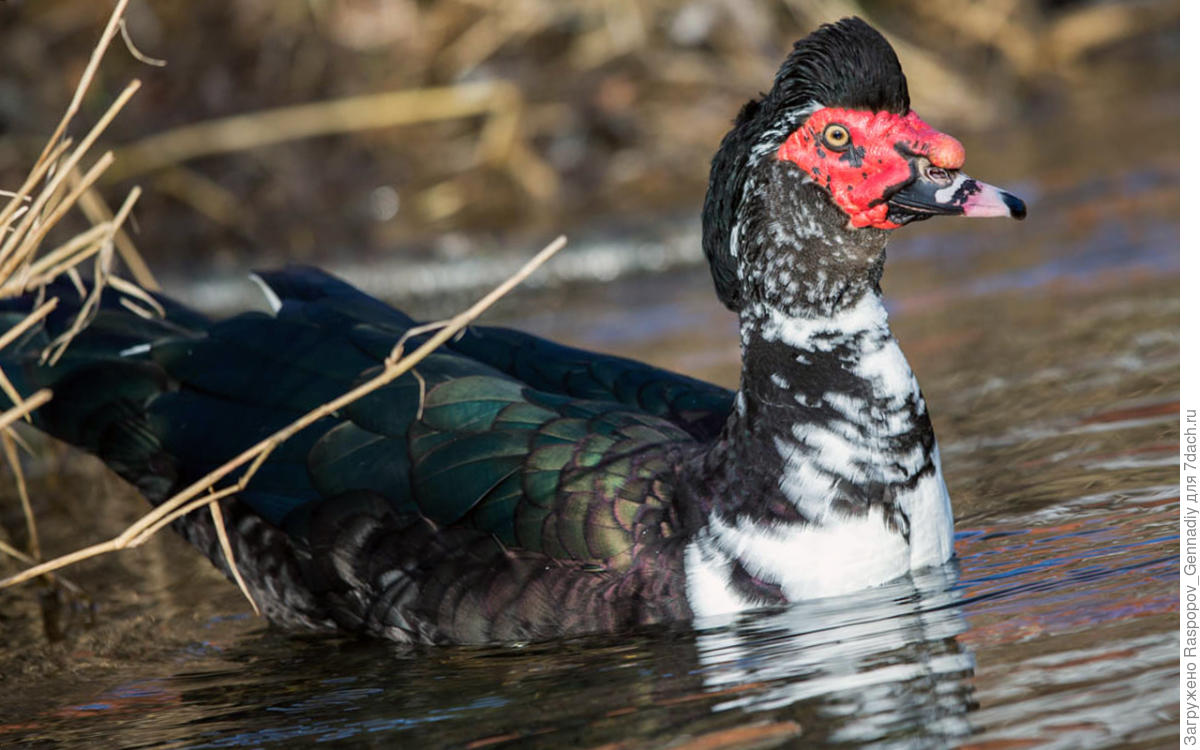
<point x="829" y="420"/>
<point x="825" y="477"/>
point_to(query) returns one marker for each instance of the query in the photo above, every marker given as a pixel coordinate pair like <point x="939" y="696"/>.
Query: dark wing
<point x="460" y="442"/>
<point x="696" y="406"/>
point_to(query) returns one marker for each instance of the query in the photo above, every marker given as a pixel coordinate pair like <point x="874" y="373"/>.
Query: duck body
<point x="508" y="489"/>
<point x="512" y="489"/>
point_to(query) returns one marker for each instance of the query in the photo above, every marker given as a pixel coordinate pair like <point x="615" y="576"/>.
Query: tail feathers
<point x="114" y="333"/>
<point x="104" y="380"/>
<point x="119" y="327"/>
<point x="164" y="400"/>
<point x="169" y="314"/>
<point x="314" y="296"/>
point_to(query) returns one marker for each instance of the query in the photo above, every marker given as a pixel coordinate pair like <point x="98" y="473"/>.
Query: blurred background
<point x="524" y="118"/>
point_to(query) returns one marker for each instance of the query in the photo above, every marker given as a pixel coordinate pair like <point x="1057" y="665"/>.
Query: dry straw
<point x="59" y="180"/>
<point x="24" y="268"/>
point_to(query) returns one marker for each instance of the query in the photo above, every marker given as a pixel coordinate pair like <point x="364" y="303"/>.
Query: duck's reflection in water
<point x="879" y="666"/>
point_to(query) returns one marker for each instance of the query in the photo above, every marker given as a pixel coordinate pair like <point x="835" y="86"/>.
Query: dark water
<point x="1048" y="352"/>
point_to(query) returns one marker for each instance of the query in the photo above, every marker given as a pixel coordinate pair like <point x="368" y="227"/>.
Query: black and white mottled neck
<point x="826" y="477"/>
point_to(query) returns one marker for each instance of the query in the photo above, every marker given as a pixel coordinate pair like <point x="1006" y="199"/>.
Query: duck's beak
<point x="943" y="192"/>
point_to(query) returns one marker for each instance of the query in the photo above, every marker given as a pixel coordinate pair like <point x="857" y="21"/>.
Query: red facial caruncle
<point x="862" y="158"/>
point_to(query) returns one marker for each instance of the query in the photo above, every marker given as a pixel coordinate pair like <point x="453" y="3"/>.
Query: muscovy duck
<point x="522" y="490"/>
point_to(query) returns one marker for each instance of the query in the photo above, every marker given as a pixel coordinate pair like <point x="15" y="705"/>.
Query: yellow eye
<point x="836" y="136"/>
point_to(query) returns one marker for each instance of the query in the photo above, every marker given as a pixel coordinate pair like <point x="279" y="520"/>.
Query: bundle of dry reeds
<point x="54" y="186"/>
<point x="59" y="181"/>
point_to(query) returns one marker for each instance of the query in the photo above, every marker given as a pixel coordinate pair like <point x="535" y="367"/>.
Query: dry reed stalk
<point x="1081" y="30"/>
<point x="192" y="497"/>
<point x="29" y="232"/>
<point x="55" y="184"/>
<point x="58" y="347"/>
<point x="16" y="554"/>
<point x="30" y="276"/>
<point x="499" y="101"/>
<point x="37" y="232"/>
<point x="97" y="211"/>
<point x="204" y="195"/>
<point x="8" y="337"/>
<point x="31" y="404"/>
<point x="20" y="201"/>
<point x="133" y="50"/>
<point x="218" y="519"/>
<point x="10" y="455"/>
<point x="85" y="81"/>
<point x="133" y="290"/>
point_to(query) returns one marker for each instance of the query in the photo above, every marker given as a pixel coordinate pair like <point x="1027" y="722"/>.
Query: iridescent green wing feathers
<point x="547" y="473"/>
<point x="540" y="446"/>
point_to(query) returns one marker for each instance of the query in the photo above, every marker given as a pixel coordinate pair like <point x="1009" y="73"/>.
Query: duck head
<point x="836" y="126"/>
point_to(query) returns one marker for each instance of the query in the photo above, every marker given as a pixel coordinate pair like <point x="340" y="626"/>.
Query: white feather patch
<point x="267" y="292"/>
<point x="708" y="585"/>
<point x="843" y="555"/>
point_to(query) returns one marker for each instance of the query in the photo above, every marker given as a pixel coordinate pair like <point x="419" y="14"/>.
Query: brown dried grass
<point x="55" y="186"/>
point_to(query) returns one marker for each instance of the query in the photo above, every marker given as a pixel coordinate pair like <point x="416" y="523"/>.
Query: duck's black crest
<point x="845" y="64"/>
